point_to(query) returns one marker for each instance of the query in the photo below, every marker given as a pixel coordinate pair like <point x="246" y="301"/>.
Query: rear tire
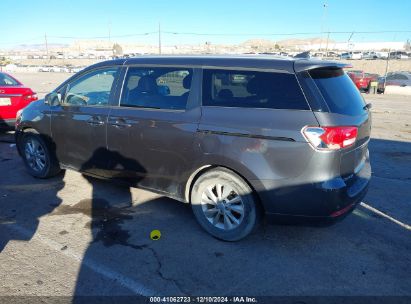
<point x="225" y="205"/>
<point x="39" y="160"/>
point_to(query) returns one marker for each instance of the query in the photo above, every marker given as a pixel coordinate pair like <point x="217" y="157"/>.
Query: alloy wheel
<point x="35" y="155"/>
<point x="222" y="206"/>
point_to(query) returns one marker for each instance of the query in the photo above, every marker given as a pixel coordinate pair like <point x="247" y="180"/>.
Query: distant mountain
<point x="259" y="42"/>
<point x="308" y="41"/>
<point x="286" y="42"/>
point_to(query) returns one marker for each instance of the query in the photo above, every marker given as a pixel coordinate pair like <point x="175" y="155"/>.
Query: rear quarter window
<point x="338" y="91"/>
<point x="252" y="89"/>
<point x="6" y="80"/>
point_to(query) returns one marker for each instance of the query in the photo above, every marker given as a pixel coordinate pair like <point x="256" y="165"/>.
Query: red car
<point x="14" y="96"/>
<point x="362" y="80"/>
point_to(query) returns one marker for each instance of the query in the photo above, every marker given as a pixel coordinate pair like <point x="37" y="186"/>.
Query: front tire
<point x="37" y="157"/>
<point x="224" y="205"/>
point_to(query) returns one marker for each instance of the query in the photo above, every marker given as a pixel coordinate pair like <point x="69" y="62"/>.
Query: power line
<point x="104" y="37"/>
<point x="40" y="38"/>
<point x="283" y="34"/>
<point x="207" y="34"/>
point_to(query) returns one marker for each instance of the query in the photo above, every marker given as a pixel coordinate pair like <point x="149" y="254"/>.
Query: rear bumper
<point x="7" y="123"/>
<point x="321" y="201"/>
<point x="362" y="86"/>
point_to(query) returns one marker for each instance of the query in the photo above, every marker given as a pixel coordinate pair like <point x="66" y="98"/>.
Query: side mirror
<point x="53" y="98"/>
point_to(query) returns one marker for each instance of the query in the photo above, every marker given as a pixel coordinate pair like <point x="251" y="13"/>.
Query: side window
<point x="91" y="89"/>
<point x="391" y="77"/>
<point x="401" y="77"/>
<point x="249" y="89"/>
<point x="158" y="88"/>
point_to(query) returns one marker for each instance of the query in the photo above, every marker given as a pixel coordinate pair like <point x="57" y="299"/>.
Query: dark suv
<point x="236" y="137"/>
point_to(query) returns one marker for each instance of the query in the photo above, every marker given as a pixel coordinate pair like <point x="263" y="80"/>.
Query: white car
<point x="369" y="55"/>
<point x="382" y="55"/>
<point x="76" y="69"/>
<point x="44" y="69"/>
<point x="351" y="55"/>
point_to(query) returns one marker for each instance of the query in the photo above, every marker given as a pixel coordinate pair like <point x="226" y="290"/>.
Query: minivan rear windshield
<point x="338" y="91"/>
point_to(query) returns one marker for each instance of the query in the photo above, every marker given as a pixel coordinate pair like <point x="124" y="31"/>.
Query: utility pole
<point x="323" y="22"/>
<point x="109" y="31"/>
<point x="386" y="69"/>
<point x="348" y="41"/>
<point x="159" y="38"/>
<point x="47" y="46"/>
<point x="326" y="48"/>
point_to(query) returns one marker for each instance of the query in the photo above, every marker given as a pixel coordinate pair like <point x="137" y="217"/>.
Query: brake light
<point x="331" y="138"/>
<point x="31" y="97"/>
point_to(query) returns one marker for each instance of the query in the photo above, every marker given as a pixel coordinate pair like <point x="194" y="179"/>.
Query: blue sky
<point x="28" y="21"/>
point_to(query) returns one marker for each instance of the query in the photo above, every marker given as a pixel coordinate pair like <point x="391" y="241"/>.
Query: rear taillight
<point x="330" y="138"/>
<point x="30" y="97"/>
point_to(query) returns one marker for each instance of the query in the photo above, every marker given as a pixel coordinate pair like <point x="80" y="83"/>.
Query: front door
<point x="152" y="130"/>
<point x="78" y="123"/>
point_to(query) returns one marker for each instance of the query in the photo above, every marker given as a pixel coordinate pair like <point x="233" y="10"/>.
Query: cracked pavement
<point x="75" y="235"/>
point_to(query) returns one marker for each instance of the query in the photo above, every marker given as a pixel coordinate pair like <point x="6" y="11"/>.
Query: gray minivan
<point x="237" y="137"/>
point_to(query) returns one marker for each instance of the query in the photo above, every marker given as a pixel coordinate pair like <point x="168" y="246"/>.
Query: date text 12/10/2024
<point x="203" y="300"/>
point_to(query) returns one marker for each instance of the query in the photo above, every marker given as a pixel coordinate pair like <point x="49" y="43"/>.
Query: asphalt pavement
<point x="75" y="235"/>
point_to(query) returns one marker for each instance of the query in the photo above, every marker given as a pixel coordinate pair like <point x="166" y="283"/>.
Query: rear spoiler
<point x="308" y="64"/>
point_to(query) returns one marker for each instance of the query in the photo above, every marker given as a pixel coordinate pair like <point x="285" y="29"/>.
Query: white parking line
<point x="134" y="286"/>
<point x="372" y="209"/>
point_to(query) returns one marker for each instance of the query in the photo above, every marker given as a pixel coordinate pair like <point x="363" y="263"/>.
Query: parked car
<point x="44" y="69"/>
<point x="75" y="69"/>
<point x="332" y="55"/>
<point x="401" y="79"/>
<point x="59" y="69"/>
<point x="361" y="79"/>
<point x="234" y="151"/>
<point x="370" y="55"/>
<point x="398" y="55"/>
<point x="14" y="96"/>
<point x="351" y="55"/>
<point x="382" y="55"/>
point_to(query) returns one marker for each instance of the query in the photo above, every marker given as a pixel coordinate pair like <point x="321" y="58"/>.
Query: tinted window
<point x="6" y="80"/>
<point x="160" y="88"/>
<point x="338" y="91"/>
<point x="91" y="89"/>
<point x="401" y="77"/>
<point x="251" y="89"/>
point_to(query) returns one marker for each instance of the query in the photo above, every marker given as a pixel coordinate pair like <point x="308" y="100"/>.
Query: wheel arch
<point x="204" y="168"/>
<point x="25" y="129"/>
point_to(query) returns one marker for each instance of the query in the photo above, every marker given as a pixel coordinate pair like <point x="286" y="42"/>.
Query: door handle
<point x="95" y="122"/>
<point x="120" y="124"/>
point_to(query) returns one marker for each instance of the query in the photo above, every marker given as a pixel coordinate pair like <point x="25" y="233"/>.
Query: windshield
<point x="338" y="91"/>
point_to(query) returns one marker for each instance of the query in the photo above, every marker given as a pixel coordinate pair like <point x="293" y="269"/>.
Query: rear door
<point x="79" y="123"/>
<point x="150" y="134"/>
